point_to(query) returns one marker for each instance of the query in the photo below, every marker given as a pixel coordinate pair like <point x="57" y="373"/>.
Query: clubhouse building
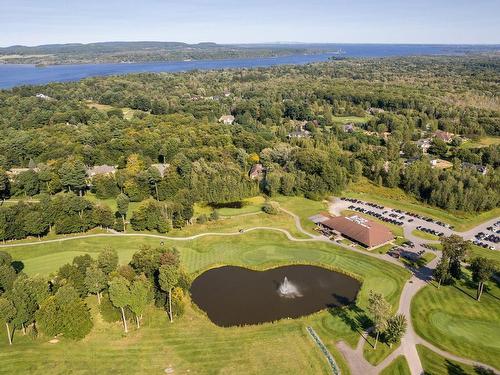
<point x="367" y="233"/>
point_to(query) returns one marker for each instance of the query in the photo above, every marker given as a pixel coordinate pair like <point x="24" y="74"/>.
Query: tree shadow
<point x="454" y="369"/>
<point x="353" y="316"/>
<point x="17" y="265"/>
<point x="464" y="292"/>
<point x="483" y="371"/>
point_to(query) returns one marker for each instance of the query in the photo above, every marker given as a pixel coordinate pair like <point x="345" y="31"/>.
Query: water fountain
<point x="288" y="290"/>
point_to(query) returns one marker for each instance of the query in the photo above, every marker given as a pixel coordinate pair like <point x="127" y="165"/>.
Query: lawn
<point x="128" y="113"/>
<point x="397" y="198"/>
<point x="434" y="364"/>
<point x="348" y="119"/>
<point x="481" y="142"/>
<point x="193" y="343"/>
<point x="425" y="235"/>
<point x="302" y="207"/>
<point x="249" y="205"/>
<point x="398" y="367"/>
<point x="453" y="320"/>
<point x="375" y="356"/>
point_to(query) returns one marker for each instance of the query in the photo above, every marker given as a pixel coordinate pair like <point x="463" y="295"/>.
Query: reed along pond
<point x="233" y="296"/>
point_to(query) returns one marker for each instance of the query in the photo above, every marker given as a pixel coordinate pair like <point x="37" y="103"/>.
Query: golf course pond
<point x="233" y="296"/>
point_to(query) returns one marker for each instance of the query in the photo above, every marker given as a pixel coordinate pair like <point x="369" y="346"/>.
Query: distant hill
<point x="106" y="52"/>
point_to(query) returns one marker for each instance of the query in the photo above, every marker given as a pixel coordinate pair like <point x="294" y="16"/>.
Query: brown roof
<point x="364" y="231"/>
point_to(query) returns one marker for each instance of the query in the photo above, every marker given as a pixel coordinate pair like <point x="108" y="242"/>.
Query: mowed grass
<point x="302" y="207"/>
<point x="397" y="198"/>
<point x="425" y="235"/>
<point x="481" y="142"/>
<point x="375" y="356"/>
<point x="434" y="364"/>
<point x="451" y="318"/>
<point x="354" y="119"/>
<point x="398" y="367"/>
<point x="193" y="343"/>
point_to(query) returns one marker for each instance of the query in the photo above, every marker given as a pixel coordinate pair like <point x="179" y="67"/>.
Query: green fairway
<point x="193" y="342"/>
<point x="397" y="198"/>
<point x="434" y="364"/>
<point x="398" y="367"/>
<point x="453" y="320"/>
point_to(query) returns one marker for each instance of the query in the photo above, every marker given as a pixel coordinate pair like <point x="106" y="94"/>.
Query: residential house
<point x="227" y="119"/>
<point x="257" y="172"/>
<point x="482" y="169"/>
<point x="162" y="168"/>
<point x="374" y="111"/>
<point x="444" y="136"/>
<point x="424" y="144"/>
<point x="300" y="131"/>
<point x="14" y="172"/>
<point x="348" y="128"/>
<point x="100" y="170"/>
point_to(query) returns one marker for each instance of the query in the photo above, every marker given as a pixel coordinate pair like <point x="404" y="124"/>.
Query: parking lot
<point x="486" y="235"/>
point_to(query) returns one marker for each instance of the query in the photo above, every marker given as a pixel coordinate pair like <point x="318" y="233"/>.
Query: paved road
<point x="354" y="357"/>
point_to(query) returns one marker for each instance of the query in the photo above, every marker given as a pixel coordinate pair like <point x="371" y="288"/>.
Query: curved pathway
<point x="354" y="357"/>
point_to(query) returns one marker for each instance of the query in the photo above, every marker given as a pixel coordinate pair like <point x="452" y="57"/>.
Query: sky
<point x="34" y="22"/>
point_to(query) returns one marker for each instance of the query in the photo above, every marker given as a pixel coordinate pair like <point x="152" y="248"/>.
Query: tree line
<point x="59" y="305"/>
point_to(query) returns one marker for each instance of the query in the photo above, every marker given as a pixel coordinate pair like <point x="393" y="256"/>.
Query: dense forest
<point x="311" y="129"/>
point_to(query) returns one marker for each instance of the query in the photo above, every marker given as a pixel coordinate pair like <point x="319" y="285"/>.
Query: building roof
<point x="100" y="170"/>
<point x="445" y="136"/>
<point x="162" y="168"/>
<point x="227" y="119"/>
<point x="256" y="171"/>
<point x="364" y="231"/>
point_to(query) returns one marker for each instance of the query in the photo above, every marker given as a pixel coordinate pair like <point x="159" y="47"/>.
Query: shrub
<point x="270" y="208"/>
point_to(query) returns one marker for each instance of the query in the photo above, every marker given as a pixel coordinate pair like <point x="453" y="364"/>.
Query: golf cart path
<point x="354" y="357"/>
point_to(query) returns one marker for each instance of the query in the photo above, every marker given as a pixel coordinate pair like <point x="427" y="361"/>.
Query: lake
<point x="22" y="74"/>
<point x="233" y="296"/>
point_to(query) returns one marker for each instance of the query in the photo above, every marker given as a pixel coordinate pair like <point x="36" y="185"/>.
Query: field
<point x="398" y="367"/>
<point x="193" y="342"/>
<point x="348" y="119"/>
<point x="434" y="364"/>
<point x="453" y="320"/>
<point x="397" y="198"/>
<point x="128" y="113"/>
<point x="481" y="142"/>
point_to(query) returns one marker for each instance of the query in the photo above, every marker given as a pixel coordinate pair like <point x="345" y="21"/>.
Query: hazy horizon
<point x="31" y="23"/>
